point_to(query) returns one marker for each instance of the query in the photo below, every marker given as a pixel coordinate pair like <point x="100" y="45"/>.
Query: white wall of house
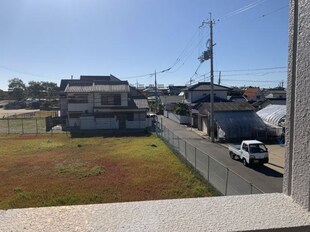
<point x="177" y="118"/>
<point x="92" y="123"/>
<point x="139" y="121"/>
<point x="196" y="95"/>
<point x="74" y="122"/>
<point x="136" y="124"/>
<point x="84" y="107"/>
<point x="204" y="125"/>
<point x="106" y="123"/>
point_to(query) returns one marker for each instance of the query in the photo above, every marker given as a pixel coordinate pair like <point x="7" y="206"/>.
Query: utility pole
<point x="156" y="95"/>
<point x="219" y="82"/>
<point x="206" y="55"/>
<point x="212" y="80"/>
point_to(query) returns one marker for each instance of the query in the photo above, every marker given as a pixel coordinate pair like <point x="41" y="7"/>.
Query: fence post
<point x="168" y="136"/>
<point x="36" y="126"/>
<point x="195" y="156"/>
<point x="208" y="168"/>
<point x="185" y="149"/>
<point x="22" y="126"/>
<point x="8" y="125"/>
<point x="226" y="183"/>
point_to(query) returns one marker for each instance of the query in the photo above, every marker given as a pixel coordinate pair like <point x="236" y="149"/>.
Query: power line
<point x="274" y="11"/>
<point x="243" y="9"/>
<point x="254" y="69"/>
<point x="253" y="73"/>
<point x="21" y="72"/>
<point x="247" y="80"/>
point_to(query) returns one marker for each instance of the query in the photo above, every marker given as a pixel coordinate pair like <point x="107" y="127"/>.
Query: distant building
<point x="174" y="90"/>
<point x="232" y="120"/>
<point x="102" y="102"/>
<point x="253" y="94"/>
<point x="201" y="90"/>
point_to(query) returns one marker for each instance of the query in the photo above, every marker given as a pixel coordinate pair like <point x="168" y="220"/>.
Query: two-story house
<point x="194" y="93"/>
<point x="102" y="102"/>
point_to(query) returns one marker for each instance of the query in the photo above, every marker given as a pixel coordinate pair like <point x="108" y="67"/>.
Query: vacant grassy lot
<point x="45" y="170"/>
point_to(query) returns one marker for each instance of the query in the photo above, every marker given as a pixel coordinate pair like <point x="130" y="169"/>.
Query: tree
<point x="182" y="109"/>
<point x="42" y="89"/>
<point x="50" y="88"/>
<point x="17" y="88"/>
<point x="35" y="89"/>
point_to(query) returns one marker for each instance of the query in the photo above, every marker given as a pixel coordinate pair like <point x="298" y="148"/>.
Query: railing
<point x="222" y="178"/>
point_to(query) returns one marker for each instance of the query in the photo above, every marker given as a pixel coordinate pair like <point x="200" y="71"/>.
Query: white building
<point x="102" y="102"/>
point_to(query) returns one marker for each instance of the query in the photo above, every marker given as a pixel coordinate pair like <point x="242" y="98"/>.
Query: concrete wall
<point x="297" y="162"/>
<point x="90" y="123"/>
<point x="136" y="124"/>
<point x="178" y="118"/>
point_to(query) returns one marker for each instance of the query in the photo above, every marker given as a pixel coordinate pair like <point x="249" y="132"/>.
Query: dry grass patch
<point x="47" y="170"/>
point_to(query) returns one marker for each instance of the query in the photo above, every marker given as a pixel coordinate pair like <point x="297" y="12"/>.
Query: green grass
<point x="44" y="170"/>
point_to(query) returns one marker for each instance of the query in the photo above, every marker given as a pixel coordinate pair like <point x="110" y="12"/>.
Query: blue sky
<point x="53" y="39"/>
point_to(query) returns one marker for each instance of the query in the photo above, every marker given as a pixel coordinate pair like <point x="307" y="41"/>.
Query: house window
<point x="111" y="99"/>
<point x="78" y="98"/>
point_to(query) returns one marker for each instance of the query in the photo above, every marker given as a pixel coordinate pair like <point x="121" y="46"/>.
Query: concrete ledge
<point x="263" y="212"/>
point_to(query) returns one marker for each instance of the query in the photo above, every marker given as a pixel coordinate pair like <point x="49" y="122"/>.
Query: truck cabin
<point x="254" y="147"/>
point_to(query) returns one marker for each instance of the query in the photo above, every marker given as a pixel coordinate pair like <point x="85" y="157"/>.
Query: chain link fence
<point x="222" y="178"/>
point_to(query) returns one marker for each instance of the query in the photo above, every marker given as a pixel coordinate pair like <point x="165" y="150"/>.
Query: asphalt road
<point x="266" y="179"/>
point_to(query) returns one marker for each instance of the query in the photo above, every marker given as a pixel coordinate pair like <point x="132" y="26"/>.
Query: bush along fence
<point x="222" y="178"/>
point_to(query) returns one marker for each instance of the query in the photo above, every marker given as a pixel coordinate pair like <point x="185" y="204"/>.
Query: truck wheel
<point x="232" y="155"/>
<point x="244" y="162"/>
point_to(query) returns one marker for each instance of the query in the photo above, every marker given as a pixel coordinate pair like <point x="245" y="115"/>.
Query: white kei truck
<point x="250" y="152"/>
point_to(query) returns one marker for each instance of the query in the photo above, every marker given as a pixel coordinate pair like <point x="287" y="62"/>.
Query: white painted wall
<point x="204" y="125"/>
<point x="106" y="123"/>
<point x="74" y="122"/>
<point x="136" y="124"/>
<point x="92" y="123"/>
<point x="178" y="118"/>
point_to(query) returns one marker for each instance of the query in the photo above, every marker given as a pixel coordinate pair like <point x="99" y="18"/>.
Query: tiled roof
<point x="204" y="108"/>
<point x="141" y="103"/>
<point x="206" y="86"/>
<point x="251" y="92"/>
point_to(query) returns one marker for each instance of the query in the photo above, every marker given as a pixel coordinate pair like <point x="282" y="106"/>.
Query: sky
<point x="51" y="40"/>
